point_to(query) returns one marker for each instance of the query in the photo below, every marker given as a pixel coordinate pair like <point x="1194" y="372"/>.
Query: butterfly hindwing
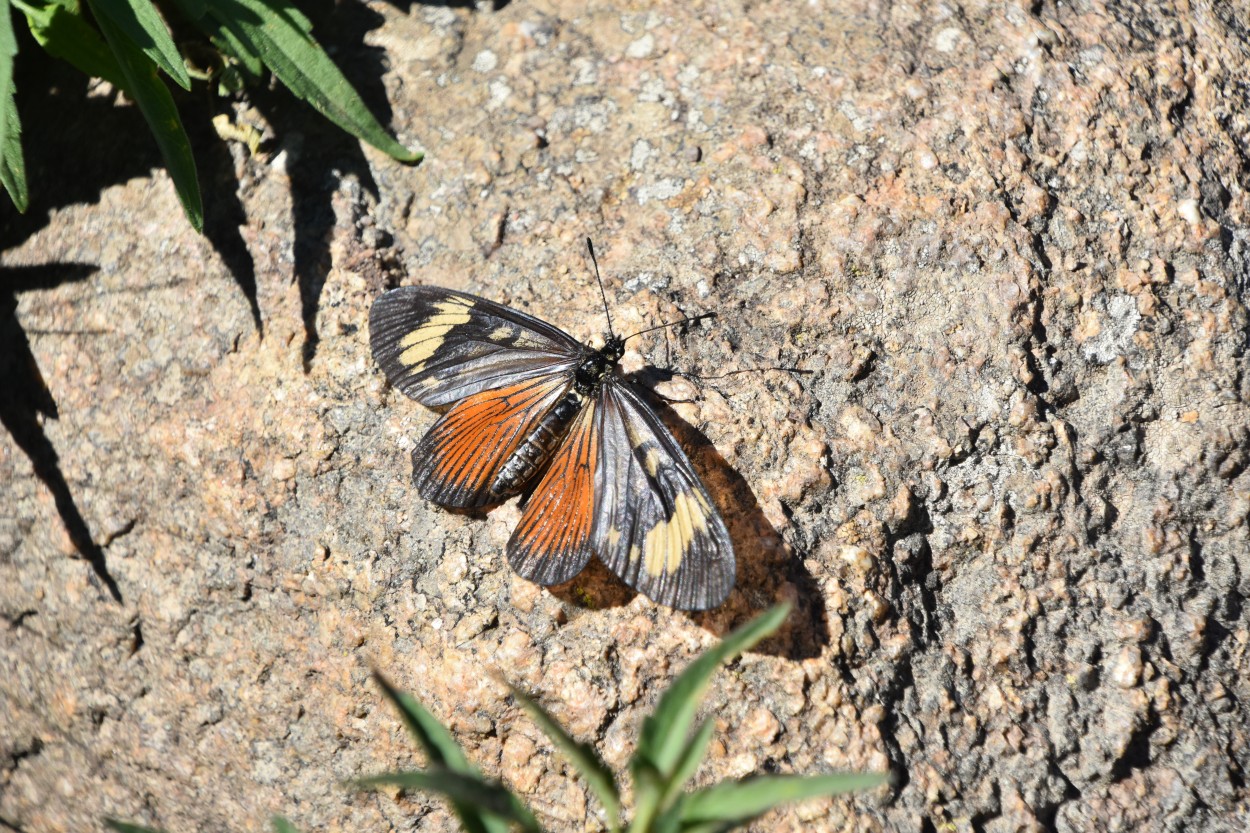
<point x="458" y="459"/>
<point x="440" y="346"/>
<point x="655" y="525"/>
<point x="552" y="542"/>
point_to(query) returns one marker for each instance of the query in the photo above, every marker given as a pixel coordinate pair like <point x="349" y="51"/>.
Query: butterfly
<point x="526" y="409"/>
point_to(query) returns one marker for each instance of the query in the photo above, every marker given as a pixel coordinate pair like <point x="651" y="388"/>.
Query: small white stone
<point x="1190" y="211"/>
<point x="641" y="48"/>
<point x="1126" y="668"/>
<point x="485" y="61"/>
<point x="948" y="40"/>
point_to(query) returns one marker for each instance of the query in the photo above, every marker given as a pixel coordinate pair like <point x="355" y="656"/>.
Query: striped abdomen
<point x="536" y="449"/>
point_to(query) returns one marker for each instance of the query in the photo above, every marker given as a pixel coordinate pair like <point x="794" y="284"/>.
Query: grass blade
<point x="157" y="106"/>
<point x="438" y="744"/>
<point x="664" y="732"/>
<point x="581" y="755"/>
<point x="12" y="162"/>
<point x="277" y="32"/>
<point x="65" y="34"/>
<point x="442" y="751"/>
<point x="738" y="802"/>
<point x="139" y="23"/>
<point x="687" y="764"/>
<point x="487" y="796"/>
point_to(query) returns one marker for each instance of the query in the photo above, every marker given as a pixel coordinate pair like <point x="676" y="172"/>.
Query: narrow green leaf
<point x="61" y="30"/>
<point x="488" y="796"/>
<point x="648" y="790"/>
<point x="442" y="751"/>
<point x="8" y="51"/>
<point x="12" y="161"/>
<point x="664" y="732"/>
<point x="277" y="32"/>
<point x="224" y="40"/>
<point x="158" y="109"/>
<point x="581" y="755"/>
<point x="439" y="746"/>
<point x="739" y="802"/>
<point x="281" y="825"/>
<point x="197" y="12"/>
<point x="127" y="827"/>
<point x="139" y="22"/>
<point x="687" y="764"/>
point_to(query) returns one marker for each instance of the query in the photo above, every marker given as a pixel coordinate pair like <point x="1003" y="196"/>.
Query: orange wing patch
<point x="456" y="462"/>
<point x="551" y="544"/>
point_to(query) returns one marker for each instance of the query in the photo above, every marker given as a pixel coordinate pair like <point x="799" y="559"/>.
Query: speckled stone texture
<point x="1009" y="498"/>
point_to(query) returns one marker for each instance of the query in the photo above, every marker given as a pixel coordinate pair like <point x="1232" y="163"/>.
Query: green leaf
<point x="127" y="827"/>
<point x="487" y="796"/>
<point x="664" y="732"/>
<point x="648" y="790"/>
<point x="238" y="51"/>
<point x="281" y="825"/>
<point x="442" y="750"/>
<point x="12" y="162"/>
<point x="138" y="22"/>
<point x="277" y="32"/>
<point x="439" y="746"/>
<point x="735" y="803"/>
<point x="157" y="106"/>
<point x="687" y="764"/>
<point x="581" y="755"/>
<point x="59" y="27"/>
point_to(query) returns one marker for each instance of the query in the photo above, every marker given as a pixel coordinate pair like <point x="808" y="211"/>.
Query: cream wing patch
<point x="424" y="341"/>
<point x="668" y="541"/>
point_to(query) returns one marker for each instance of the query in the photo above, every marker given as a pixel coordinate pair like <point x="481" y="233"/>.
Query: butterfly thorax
<point x="536" y="449"/>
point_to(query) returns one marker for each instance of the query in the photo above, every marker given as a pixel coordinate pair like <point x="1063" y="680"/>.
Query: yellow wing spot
<point x="652" y="461"/>
<point x="614" y="537"/>
<point x="502" y="334"/>
<point x="424" y="341"/>
<point x="668" y="541"/>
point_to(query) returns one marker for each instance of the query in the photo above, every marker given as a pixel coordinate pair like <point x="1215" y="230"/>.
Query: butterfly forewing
<point x="655" y="525"/>
<point x="552" y="543"/>
<point x="440" y="346"/>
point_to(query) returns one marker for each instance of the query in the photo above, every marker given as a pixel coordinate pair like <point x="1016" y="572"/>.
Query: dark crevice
<point x="18" y="619"/>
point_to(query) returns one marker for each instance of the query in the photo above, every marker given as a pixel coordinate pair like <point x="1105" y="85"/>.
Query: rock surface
<point x="1010" y="498"/>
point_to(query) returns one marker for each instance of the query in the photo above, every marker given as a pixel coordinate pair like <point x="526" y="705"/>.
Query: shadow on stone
<point x="27" y="398"/>
<point x="763" y="568"/>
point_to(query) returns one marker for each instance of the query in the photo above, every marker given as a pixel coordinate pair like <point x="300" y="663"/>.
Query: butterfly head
<point x="598" y="364"/>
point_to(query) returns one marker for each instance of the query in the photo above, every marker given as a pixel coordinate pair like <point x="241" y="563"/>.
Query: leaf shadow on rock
<point x="26" y="398"/>
<point x="71" y="160"/>
<point x="319" y="154"/>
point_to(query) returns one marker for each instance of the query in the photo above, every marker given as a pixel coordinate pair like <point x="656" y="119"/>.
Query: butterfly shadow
<point x="27" y="401"/>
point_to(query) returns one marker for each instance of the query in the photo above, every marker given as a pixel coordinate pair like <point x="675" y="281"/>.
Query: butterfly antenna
<point x="602" y="294"/>
<point x="690" y="320"/>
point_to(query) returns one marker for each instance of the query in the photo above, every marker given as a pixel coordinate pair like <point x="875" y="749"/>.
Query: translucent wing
<point x="655" y="525"/>
<point x="552" y="543"/>
<point x="439" y="346"/>
<point x="458" y="459"/>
